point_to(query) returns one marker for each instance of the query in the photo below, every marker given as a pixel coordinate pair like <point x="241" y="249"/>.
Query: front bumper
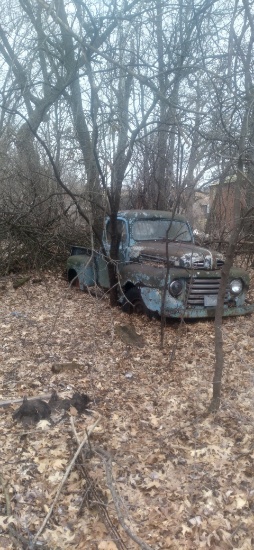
<point x="206" y="312"/>
<point x="175" y="308"/>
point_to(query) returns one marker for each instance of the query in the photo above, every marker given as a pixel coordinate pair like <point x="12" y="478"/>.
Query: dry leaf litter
<point x="184" y="479"/>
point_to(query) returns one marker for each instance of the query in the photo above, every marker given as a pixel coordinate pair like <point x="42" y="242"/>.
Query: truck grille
<point x="198" y="288"/>
<point x="200" y="264"/>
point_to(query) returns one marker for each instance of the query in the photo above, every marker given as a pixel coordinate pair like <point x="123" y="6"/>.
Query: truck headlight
<point x="176" y="287"/>
<point x="236" y="286"/>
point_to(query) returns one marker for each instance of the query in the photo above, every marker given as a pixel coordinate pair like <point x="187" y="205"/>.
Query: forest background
<point x="137" y="104"/>
<point x="108" y="104"/>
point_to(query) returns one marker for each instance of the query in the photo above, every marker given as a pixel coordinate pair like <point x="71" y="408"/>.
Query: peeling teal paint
<point x="176" y="308"/>
<point x="143" y="264"/>
<point x="84" y="267"/>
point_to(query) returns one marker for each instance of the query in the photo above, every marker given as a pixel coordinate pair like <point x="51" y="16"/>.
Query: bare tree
<point x="234" y="102"/>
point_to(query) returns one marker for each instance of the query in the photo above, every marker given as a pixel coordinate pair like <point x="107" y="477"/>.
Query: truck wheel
<point x="133" y="302"/>
<point x="72" y="276"/>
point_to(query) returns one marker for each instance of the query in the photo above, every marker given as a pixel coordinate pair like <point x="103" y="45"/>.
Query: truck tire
<point x="72" y="276"/>
<point x="133" y="302"/>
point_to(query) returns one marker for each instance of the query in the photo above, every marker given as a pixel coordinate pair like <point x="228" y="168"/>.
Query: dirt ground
<point x="157" y="472"/>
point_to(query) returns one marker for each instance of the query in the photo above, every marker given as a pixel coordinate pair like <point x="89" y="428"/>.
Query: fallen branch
<point x="65" y="477"/>
<point x="93" y="498"/>
<point x="6" y="495"/>
<point x="108" y="467"/>
<point x="20" y="399"/>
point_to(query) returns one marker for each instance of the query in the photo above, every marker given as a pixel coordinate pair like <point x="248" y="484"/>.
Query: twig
<point x="20" y="399"/>
<point x="108" y="467"/>
<point x="102" y="507"/>
<point x="67" y="472"/>
<point x="6" y="495"/>
<point x="84" y="499"/>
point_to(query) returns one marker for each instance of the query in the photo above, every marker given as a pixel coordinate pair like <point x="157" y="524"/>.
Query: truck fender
<point x="81" y="270"/>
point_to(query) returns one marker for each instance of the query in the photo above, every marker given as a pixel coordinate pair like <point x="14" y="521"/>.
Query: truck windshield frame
<point x="156" y="230"/>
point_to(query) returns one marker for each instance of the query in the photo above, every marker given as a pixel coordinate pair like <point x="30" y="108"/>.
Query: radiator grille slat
<point x="198" y="288"/>
<point x="201" y="264"/>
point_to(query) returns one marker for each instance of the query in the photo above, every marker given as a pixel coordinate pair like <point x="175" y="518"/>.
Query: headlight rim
<point x="234" y="281"/>
<point x="174" y="294"/>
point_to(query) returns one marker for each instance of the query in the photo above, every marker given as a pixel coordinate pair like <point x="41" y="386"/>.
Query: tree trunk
<point x="219" y="355"/>
<point x="112" y="263"/>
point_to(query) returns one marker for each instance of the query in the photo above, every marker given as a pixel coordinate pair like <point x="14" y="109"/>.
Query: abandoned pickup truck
<point x="149" y="241"/>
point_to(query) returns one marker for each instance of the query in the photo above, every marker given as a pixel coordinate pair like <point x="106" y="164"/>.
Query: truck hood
<point x="187" y="255"/>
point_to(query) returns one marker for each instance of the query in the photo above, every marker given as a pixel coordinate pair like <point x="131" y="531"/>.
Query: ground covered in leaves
<point x="156" y="472"/>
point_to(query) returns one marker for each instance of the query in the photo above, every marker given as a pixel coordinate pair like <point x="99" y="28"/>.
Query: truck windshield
<point x="156" y="229"/>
